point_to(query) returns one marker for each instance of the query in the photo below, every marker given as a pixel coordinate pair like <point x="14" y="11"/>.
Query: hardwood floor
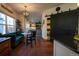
<point x="42" y="48"/>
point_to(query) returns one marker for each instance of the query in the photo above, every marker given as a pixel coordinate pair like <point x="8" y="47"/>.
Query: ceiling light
<point x="25" y="13"/>
<point x="78" y="4"/>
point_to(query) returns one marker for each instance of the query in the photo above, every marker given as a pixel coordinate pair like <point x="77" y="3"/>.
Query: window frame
<point x="6" y="25"/>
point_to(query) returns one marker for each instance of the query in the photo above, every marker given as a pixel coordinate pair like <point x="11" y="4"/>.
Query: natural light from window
<point x="7" y="24"/>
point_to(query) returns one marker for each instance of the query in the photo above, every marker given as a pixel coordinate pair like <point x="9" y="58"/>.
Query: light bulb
<point x="78" y="4"/>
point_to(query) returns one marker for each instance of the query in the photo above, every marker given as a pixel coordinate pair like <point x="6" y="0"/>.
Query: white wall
<point x="61" y="50"/>
<point x="35" y="17"/>
<point x="64" y="7"/>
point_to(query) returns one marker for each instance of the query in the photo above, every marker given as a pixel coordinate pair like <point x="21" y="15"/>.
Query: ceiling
<point x="35" y="9"/>
<point x="31" y="7"/>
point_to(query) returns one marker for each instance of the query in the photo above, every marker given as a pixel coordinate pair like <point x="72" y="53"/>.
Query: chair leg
<point x="35" y="40"/>
<point x="31" y="43"/>
<point x="26" y="42"/>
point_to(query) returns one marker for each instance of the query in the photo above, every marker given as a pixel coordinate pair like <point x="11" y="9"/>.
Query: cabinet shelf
<point x="49" y="28"/>
<point x="18" y="25"/>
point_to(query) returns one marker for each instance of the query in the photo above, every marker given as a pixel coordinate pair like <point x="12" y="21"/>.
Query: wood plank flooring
<point x="42" y="48"/>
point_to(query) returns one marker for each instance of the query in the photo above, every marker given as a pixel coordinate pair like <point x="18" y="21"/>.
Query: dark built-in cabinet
<point x="64" y="26"/>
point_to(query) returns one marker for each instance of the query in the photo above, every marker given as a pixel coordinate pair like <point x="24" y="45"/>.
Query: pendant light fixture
<point x="25" y="13"/>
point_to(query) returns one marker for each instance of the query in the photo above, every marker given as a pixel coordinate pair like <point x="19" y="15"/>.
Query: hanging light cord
<point x="25" y="10"/>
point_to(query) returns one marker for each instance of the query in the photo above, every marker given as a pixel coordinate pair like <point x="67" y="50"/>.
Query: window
<point x="10" y="21"/>
<point x="2" y="29"/>
<point x="2" y="23"/>
<point x="7" y="24"/>
<point x="10" y="24"/>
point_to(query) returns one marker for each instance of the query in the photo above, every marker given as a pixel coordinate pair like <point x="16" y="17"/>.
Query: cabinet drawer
<point x="5" y="52"/>
<point x="4" y="45"/>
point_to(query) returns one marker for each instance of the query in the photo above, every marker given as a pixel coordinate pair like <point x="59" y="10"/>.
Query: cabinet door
<point x="5" y="48"/>
<point x="54" y="23"/>
<point x="64" y="27"/>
